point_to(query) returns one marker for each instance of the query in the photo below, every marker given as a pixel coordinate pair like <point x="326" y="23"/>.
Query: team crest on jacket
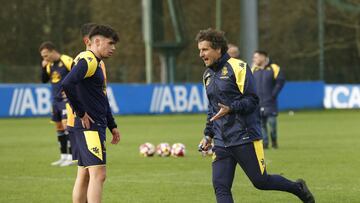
<point x="60" y="64"/>
<point x="242" y="65"/>
<point x="224" y="71"/>
<point x="55" y="77"/>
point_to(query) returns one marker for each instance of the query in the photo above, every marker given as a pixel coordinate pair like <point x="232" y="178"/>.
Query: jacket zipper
<point x="218" y="92"/>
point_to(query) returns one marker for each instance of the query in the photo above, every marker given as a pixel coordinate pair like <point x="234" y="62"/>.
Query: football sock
<point x="62" y="141"/>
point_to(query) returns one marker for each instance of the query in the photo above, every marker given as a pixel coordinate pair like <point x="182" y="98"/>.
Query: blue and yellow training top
<point x="85" y="88"/>
<point x="229" y="81"/>
<point x="55" y="72"/>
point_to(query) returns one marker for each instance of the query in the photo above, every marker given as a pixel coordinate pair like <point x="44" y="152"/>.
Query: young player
<point x="85" y="88"/>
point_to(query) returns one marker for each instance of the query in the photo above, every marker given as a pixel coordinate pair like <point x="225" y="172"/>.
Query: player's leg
<point x="272" y="123"/>
<point x="70" y="127"/>
<point x="93" y="156"/>
<point x="264" y="131"/>
<point x="83" y="177"/>
<point x="81" y="185"/>
<point x="57" y="117"/>
<point x="251" y="159"/>
<point x="68" y="160"/>
<point x="96" y="183"/>
<point x="223" y="170"/>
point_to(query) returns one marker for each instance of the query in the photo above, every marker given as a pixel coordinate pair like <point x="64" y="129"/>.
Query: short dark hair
<point x="104" y="30"/>
<point x="47" y="45"/>
<point x="262" y="52"/>
<point x="86" y="28"/>
<point x="215" y="37"/>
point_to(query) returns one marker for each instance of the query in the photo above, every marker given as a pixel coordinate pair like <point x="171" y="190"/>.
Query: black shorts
<point x="90" y="146"/>
<point x="58" y="111"/>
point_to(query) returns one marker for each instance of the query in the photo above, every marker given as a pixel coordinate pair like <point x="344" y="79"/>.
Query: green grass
<point x="320" y="146"/>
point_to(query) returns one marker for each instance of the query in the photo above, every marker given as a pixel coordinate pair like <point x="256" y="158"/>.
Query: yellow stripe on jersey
<point x="259" y="150"/>
<point x="93" y="143"/>
<point x="48" y="68"/>
<point x="67" y="60"/>
<point x="239" y="68"/>
<point x="90" y="60"/>
<point x="70" y="116"/>
<point x="276" y="70"/>
<point x="213" y="157"/>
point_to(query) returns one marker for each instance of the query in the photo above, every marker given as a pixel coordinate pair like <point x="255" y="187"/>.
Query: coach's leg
<point x="264" y="131"/>
<point x="81" y="185"/>
<point x="251" y="159"/>
<point x="223" y="170"/>
<point x="272" y="123"/>
<point x="97" y="179"/>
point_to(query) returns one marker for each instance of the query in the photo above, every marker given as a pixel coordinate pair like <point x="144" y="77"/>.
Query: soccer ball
<point x="163" y="149"/>
<point x="147" y="149"/>
<point x="178" y="150"/>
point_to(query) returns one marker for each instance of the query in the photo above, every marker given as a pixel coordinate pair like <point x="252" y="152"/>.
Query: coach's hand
<point x="85" y="121"/>
<point x="223" y="111"/>
<point x="44" y="63"/>
<point x="205" y="143"/>
<point x="116" y="136"/>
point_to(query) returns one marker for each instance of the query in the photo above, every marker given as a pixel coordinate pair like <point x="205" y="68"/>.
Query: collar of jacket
<point x="220" y="62"/>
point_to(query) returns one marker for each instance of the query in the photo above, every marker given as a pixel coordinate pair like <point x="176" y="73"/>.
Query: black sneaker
<point x="274" y="144"/>
<point x="306" y="196"/>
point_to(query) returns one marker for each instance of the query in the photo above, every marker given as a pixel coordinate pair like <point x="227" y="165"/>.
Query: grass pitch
<point x="320" y="146"/>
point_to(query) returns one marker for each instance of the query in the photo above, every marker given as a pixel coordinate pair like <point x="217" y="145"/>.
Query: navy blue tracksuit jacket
<point x="229" y="81"/>
<point x="269" y="82"/>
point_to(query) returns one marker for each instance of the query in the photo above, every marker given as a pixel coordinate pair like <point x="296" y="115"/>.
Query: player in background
<point x="269" y="80"/>
<point x="233" y="122"/>
<point x="85" y="88"/>
<point x="55" y="67"/>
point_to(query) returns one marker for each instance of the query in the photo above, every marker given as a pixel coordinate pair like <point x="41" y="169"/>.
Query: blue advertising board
<point x="302" y="95"/>
<point x="27" y="100"/>
<point x="342" y="96"/>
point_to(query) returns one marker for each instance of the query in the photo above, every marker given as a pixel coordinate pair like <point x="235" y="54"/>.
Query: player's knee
<point x="100" y="177"/>
<point x="260" y="183"/>
<point x="86" y="177"/>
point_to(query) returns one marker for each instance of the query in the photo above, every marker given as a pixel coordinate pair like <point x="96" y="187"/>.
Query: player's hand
<point x="222" y="112"/>
<point x="116" y="136"/>
<point x="205" y="143"/>
<point x="86" y="120"/>
<point x="44" y="63"/>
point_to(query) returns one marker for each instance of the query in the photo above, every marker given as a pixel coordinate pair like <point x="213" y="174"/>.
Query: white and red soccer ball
<point x="163" y="149"/>
<point x="147" y="149"/>
<point x="178" y="150"/>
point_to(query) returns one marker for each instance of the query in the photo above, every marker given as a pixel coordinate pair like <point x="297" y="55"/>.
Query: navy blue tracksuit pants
<point x="250" y="157"/>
